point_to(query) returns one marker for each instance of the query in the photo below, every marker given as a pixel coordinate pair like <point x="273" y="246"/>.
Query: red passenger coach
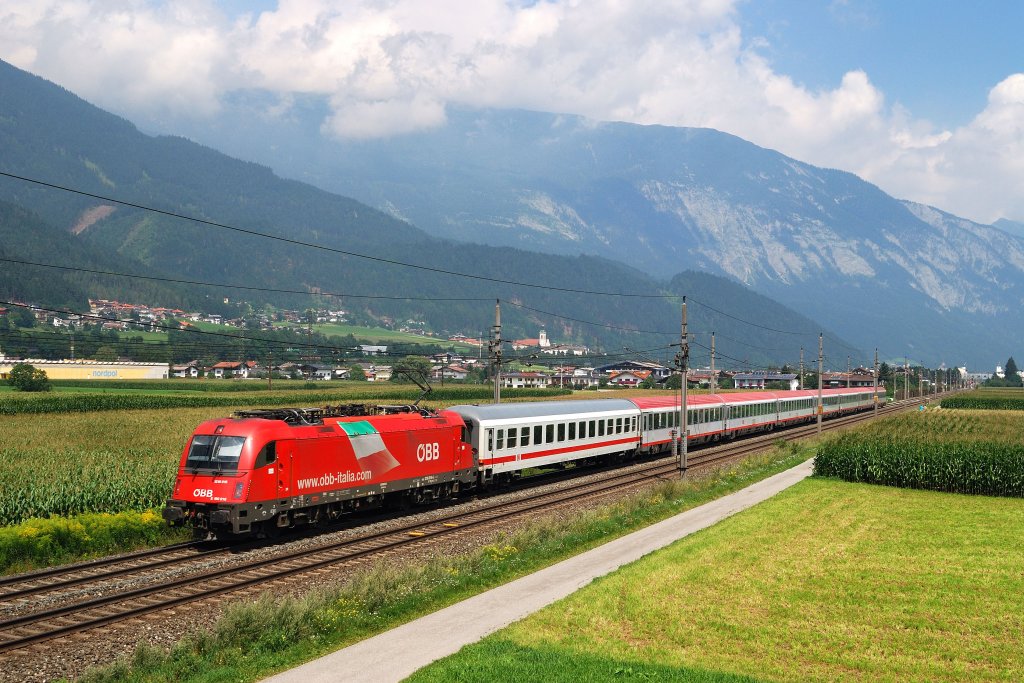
<point x="267" y="469"/>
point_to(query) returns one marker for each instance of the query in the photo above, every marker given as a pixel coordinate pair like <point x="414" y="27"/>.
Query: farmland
<point x="829" y="581"/>
<point x="987" y="399"/>
<point x="964" y="451"/>
<point x="74" y="399"/>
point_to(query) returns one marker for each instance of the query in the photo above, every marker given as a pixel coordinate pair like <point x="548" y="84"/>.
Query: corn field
<point x="58" y="482"/>
<point x="80" y="402"/>
<point x="987" y="399"/>
<point x="977" y="452"/>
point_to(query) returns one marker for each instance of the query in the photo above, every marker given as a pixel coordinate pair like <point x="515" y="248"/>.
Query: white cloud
<point x="391" y="66"/>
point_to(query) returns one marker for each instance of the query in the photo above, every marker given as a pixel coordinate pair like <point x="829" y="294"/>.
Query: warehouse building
<point x="88" y="369"/>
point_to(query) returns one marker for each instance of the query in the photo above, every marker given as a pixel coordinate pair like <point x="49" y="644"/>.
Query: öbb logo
<point x="203" y="493"/>
<point x="428" y="451"/>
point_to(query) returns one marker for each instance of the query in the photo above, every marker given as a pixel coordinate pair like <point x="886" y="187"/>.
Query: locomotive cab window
<point x="218" y="453"/>
<point x="267" y="455"/>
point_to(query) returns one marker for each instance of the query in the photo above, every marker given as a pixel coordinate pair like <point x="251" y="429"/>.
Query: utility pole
<point x="495" y="350"/>
<point x="270" y="370"/>
<point x="801" y="368"/>
<point x="683" y="361"/>
<point x="714" y="383"/>
<point x="821" y="406"/>
<point x="906" y="379"/>
<point x="847" y="372"/>
<point x="875" y="393"/>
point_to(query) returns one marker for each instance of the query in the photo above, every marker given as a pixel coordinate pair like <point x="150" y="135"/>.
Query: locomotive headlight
<point x="238" y="490"/>
<point x="177" y="485"/>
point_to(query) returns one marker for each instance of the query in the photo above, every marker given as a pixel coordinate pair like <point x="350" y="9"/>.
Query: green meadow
<point x="828" y="581"/>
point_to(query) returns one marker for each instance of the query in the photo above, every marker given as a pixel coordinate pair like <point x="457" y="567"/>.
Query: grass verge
<point x="253" y="640"/>
<point x="828" y="581"/>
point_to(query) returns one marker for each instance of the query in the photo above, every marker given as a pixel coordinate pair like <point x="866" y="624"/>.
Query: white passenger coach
<point x="510" y="437"/>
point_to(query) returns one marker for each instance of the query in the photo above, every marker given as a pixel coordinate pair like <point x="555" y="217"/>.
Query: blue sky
<point x="938" y="59"/>
<point x="924" y="99"/>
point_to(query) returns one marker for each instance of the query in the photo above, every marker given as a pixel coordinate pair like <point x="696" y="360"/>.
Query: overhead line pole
<point x="714" y="384"/>
<point x="801" y="368"/>
<point x="495" y="350"/>
<point x="821" y="406"/>
<point x="875" y="393"/>
<point x="683" y="359"/>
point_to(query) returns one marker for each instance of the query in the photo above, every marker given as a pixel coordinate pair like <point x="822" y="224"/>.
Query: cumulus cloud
<point x="391" y="66"/>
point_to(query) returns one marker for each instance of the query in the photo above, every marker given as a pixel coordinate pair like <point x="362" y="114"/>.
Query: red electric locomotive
<point x="264" y="470"/>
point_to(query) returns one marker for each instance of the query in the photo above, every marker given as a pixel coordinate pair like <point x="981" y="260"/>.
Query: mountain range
<point x="884" y="272"/>
<point x="86" y="190"/>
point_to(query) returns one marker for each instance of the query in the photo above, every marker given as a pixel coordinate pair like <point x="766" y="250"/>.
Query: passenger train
<point x="265" y="470"/>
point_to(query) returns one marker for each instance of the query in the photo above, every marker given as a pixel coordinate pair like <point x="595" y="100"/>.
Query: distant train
<point x="261" y="471"/>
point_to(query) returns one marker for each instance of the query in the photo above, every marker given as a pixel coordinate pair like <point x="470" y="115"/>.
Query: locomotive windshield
<point x="218" y="453"/>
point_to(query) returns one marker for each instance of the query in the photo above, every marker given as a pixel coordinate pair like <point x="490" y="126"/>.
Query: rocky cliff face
<point x="667" y="199"/>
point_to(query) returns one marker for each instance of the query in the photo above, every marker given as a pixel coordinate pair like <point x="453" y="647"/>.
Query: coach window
<point x="490" y="440"/>
<point x="583" y="430"/>
<point x="572" y="431"/>
<point x="512" y="436"/>
<point x="538" y="433"/>
<point x="561" y="431"/>
<point x="600" y="427"/>
<point x="591" y="430"/>
<point x="501" y="439"/>
<point x="550" y="435"/>
<point x="524" y="435"/>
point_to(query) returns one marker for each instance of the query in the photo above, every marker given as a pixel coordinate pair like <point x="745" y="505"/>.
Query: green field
<point x="378" y="335"/>
<point x="828" y="581"/>
<point x="960" y="451"/>
<point x="1001" y="398"/>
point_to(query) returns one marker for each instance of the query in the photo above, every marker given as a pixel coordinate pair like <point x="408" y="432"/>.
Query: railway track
<point x="39" y="625"/>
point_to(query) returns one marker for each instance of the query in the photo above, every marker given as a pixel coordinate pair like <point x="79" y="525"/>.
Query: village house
<point x="628" y="378"/>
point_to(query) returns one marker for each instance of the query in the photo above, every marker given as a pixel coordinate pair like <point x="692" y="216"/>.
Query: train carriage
<point x="263" y="470"/>
<point x="508" y="438"/>
<point x="660" y="420"/>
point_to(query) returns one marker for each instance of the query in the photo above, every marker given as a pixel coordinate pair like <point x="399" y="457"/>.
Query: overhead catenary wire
<point x="335" y="250"/>
<point x="394" y="262"/>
